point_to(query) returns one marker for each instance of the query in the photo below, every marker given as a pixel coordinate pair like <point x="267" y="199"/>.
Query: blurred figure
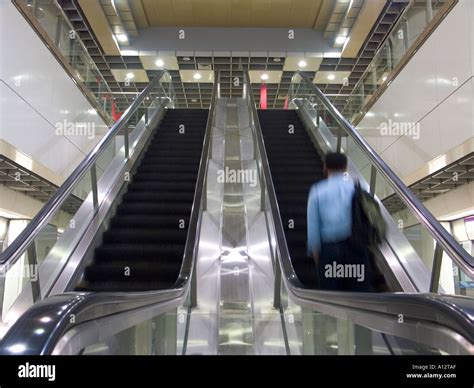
<point x="341" y="265"/>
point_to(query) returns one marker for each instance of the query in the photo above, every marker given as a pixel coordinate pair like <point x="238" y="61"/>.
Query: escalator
<point x="129" y="252"/>
<point x="144" y="247"/>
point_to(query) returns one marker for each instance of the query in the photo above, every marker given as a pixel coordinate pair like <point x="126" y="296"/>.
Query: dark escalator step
<point x="305" y="269"/>
<point x="158" y="160"/>
<point x="123" y="286"/>
<point x="158" y="186"/>
<point x="153" y="208"/>
<point x="144" y="236"/>
<point x="146" y="196"/>
<point x="192" y="154"/>
<point x="186" y="168"/>
<point x="164" y="177"/>
<point x="132" y="271"/>
<point x="148" y="221"/>
<point x="140" y="252"/>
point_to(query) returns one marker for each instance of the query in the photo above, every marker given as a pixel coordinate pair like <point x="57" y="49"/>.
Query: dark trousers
<point x="343" y="267"/>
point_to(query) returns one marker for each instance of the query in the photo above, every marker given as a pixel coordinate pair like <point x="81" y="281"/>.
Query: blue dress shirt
<point x="329" y="211"/>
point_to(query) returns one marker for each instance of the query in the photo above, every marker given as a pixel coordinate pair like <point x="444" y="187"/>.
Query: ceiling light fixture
<point x="159" y="62"/>
<point x="341" y="39"/>
<point x="186" y="59"/>
<point x="302" y="63"/>
<point x="121" y="38"/>
<point x="197" y="76"/>
<point x="331" y="77"/>
<point x="130" y="75"/>
<point x="276" y="59"/>
<point x="264" y="77"/>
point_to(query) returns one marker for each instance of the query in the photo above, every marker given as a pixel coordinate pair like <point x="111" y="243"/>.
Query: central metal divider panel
<point x="235" y="312"/>
<point x="235" y="318"/>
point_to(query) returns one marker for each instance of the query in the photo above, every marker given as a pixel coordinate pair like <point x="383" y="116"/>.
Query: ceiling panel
<point x="231" y="13"/>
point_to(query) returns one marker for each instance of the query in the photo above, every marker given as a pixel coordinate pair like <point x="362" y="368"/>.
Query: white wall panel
<point x="452" y="53"/>
<point x="29" y="132"/>
<point x="455" y="115"/>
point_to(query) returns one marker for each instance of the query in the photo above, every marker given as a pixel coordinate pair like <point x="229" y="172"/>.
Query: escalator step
<point x="144" y="236"/>
<point x="140" y="252"/>
<point x="148" y="221"/>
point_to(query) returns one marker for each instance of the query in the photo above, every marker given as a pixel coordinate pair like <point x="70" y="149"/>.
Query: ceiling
<point x="17" y="178"/>
<point x="231" y="13"/>
<point x="437" y="183"/>
<point x="122" y="15"/>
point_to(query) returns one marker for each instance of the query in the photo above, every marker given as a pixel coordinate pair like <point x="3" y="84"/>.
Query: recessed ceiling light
<point x="341" y="39"/>
<point x="277" y="59"/>
<point x="197" y="76"/>
<point x="331" y="77"/>
<point x="121" y="37"/>
<point x="186" y="59"/>
<point x="302" y="63"/>
<point x="159" y="62"/>
<point x="264" y="77"/>
<point x="130" y="75"/>
<point x="194" y="100"/>
<point x="384" y="78"/>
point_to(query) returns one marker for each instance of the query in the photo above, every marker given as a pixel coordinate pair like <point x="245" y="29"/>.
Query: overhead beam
<point x="324" y="15"/>
<point x="98" y="21"/>
<point x="139" y="14"/>
<point x="232" y="39"/>
<point x="366" y="20"/>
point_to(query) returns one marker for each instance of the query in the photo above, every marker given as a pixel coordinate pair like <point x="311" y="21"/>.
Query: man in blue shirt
<point x="340" y="266"/>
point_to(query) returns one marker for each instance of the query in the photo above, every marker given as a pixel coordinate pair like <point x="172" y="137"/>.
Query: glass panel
<point x="453" y="280"/>
<point x="402" y="37"/>
<point x="308" y="333"/>
<point x="161" y="335"/>
<point x="62" y="34"/>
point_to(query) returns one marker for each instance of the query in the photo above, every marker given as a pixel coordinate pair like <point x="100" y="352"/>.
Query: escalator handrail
<point x="191" y="239"/>
<point x="454" y="312"/>
<point x="92" y="306"/>
<point x="15" y="250"/>
<point x="455" y="251"/>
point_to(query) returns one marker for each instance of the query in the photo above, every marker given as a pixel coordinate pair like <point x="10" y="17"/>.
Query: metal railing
<point x="435" y="320"/>
<point x="109" y="312"/>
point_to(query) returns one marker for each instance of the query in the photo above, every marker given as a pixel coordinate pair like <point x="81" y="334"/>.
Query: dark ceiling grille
<point x="449" y="178"/>
<point x="19" y="179"/>
<point x="197" y="95"/>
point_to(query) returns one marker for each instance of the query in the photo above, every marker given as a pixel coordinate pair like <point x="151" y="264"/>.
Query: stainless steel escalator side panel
<point x="423" y="331"/>
<point x="407" y="270"/>
<point x="92" y="332"/>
